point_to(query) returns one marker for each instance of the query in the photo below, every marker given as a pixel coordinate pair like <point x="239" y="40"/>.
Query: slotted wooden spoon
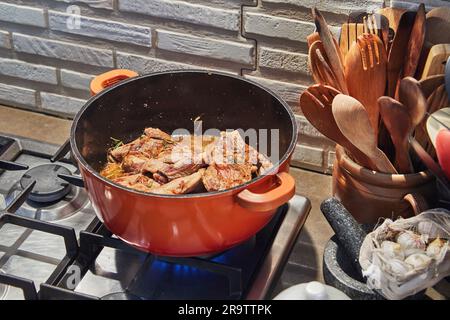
<point x="352" y="119"/>
<point x="365" y="73"/>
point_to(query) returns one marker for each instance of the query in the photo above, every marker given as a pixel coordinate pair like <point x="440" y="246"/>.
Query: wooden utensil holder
<point x="370" y="195"/>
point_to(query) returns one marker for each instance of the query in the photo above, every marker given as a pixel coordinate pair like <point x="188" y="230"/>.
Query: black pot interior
<point x="170" y="101"/>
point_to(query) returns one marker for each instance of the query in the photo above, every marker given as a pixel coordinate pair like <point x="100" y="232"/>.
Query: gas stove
<point x="52" y="245"/>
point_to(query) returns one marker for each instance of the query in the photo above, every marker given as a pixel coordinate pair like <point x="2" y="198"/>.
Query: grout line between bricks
<point x="241" y="31"/>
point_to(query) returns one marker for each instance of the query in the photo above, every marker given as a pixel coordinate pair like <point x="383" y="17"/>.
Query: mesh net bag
<point x="402" y="257"/>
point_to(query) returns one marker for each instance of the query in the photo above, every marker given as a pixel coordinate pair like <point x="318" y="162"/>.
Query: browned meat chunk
<point x="138" y="182"/>
<point x="157" y="134"/>
<point x="182" y="185"/>
<point x="230" y="148"/>
<point x="224" y="176"/>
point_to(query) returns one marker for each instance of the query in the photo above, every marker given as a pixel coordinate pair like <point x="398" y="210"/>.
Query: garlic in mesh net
<point x="402" y="257"/>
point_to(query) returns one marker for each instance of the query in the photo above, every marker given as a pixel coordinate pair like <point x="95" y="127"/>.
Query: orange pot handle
<point x="109" y="78"/>
<point x="270" y="200"/>
<point x="417" y="202"/>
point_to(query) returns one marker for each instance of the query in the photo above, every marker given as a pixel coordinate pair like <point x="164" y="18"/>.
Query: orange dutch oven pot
<point x="123" y="104"/>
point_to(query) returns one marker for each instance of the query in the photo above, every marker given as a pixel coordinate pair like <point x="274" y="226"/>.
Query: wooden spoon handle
<point x="402" y="159"/>
<point x="382" y="162"/>
<point x="329" y="44"/>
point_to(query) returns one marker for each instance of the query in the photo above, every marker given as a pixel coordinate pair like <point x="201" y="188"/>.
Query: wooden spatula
<point x="398" y="51"/>
<point x="415" y="43"/>
<point x="397" y="121"/>
<point x="365" y="66"/>
<point x="315" y="103"/>
<point x="393" y="15"/>
<point x="332" y="51"/>
<point x="352" y="119"/>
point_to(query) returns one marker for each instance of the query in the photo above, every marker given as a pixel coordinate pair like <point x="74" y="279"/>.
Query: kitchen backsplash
<point x="50" y="49"/>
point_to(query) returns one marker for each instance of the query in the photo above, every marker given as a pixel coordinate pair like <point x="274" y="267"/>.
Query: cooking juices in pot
<point x="157" y="162"/>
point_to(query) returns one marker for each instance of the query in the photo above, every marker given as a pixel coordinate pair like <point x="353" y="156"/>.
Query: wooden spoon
<point x="332" y="51"/>
<point x="320" y="67"/>
<point x="365" y="66"/>
<point x="415" y="43"/>
<point x="352" y="119"/>
<point x="410" y="94"/>
<point x="315" y="103"/>
<point x="397" y="121"/>
<point x="398" y="51"/>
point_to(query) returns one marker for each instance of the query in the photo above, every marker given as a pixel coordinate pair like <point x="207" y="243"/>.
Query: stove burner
<point x="3" y="288"/>
<point x="48" y="186"/>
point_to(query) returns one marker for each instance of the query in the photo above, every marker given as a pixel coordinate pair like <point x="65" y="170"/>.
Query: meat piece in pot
<point x="182" y="185"/>
<point x="230" y="148"/>
<point x="225" y="176"/>
<point x="137" y="181"/>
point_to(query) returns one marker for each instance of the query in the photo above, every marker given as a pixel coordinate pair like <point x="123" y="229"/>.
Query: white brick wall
<point x="103" y="29"/>
<point x="5" y="40"/>
<point x="76" y="80"/>
<point x="185" y="12"/>
<point x="60" y="105"/>
<point x="103" y="4"/>
<point x="52" y="65"/>
<point x="62" y="50"/>
<point x="28" y="71"/>
<point x="205" y="47"/>
<point x="277" y="27"/>
<point x="283" y="60"/>
<point x="22" y="15"/>
<point x="12" y="95"/>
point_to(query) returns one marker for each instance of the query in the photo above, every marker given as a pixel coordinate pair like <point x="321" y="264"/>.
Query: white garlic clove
<point x="434" y="248"/>
<point x="418" y="260"/>
<point x="398" y="267"/>
<point x="392" y="249"/>
<point x="411" y="240"/>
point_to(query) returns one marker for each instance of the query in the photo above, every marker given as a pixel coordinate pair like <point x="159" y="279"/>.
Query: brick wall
<point x="45" y="66"/>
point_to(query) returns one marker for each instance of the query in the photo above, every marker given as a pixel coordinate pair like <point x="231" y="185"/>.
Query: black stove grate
<point x="68" y="234"/>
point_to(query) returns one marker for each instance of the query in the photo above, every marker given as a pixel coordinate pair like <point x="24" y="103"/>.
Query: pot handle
<point x="417" y="202"/>
<point x="109" y="78"/>
<point x="271" y="200"/>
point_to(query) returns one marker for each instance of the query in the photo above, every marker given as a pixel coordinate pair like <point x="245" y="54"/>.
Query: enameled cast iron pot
<point x="181" y="225"/>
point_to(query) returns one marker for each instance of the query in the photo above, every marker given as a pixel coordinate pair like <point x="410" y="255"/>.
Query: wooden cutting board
<point x="436" y="61"/>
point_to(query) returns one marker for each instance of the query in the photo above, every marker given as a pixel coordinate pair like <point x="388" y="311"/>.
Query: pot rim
<point x="80" y="159"/>
<point x="380" y="178"/>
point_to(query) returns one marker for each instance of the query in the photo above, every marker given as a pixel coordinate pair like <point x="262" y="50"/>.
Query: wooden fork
<point x="365" y="67"/>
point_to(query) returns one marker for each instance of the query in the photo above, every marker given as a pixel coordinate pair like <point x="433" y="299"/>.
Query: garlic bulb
<point x="392" y="250"/>
<point x="434" y="248"/>
<point x="431" y="229"/>
<point x="418" y="260"/>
